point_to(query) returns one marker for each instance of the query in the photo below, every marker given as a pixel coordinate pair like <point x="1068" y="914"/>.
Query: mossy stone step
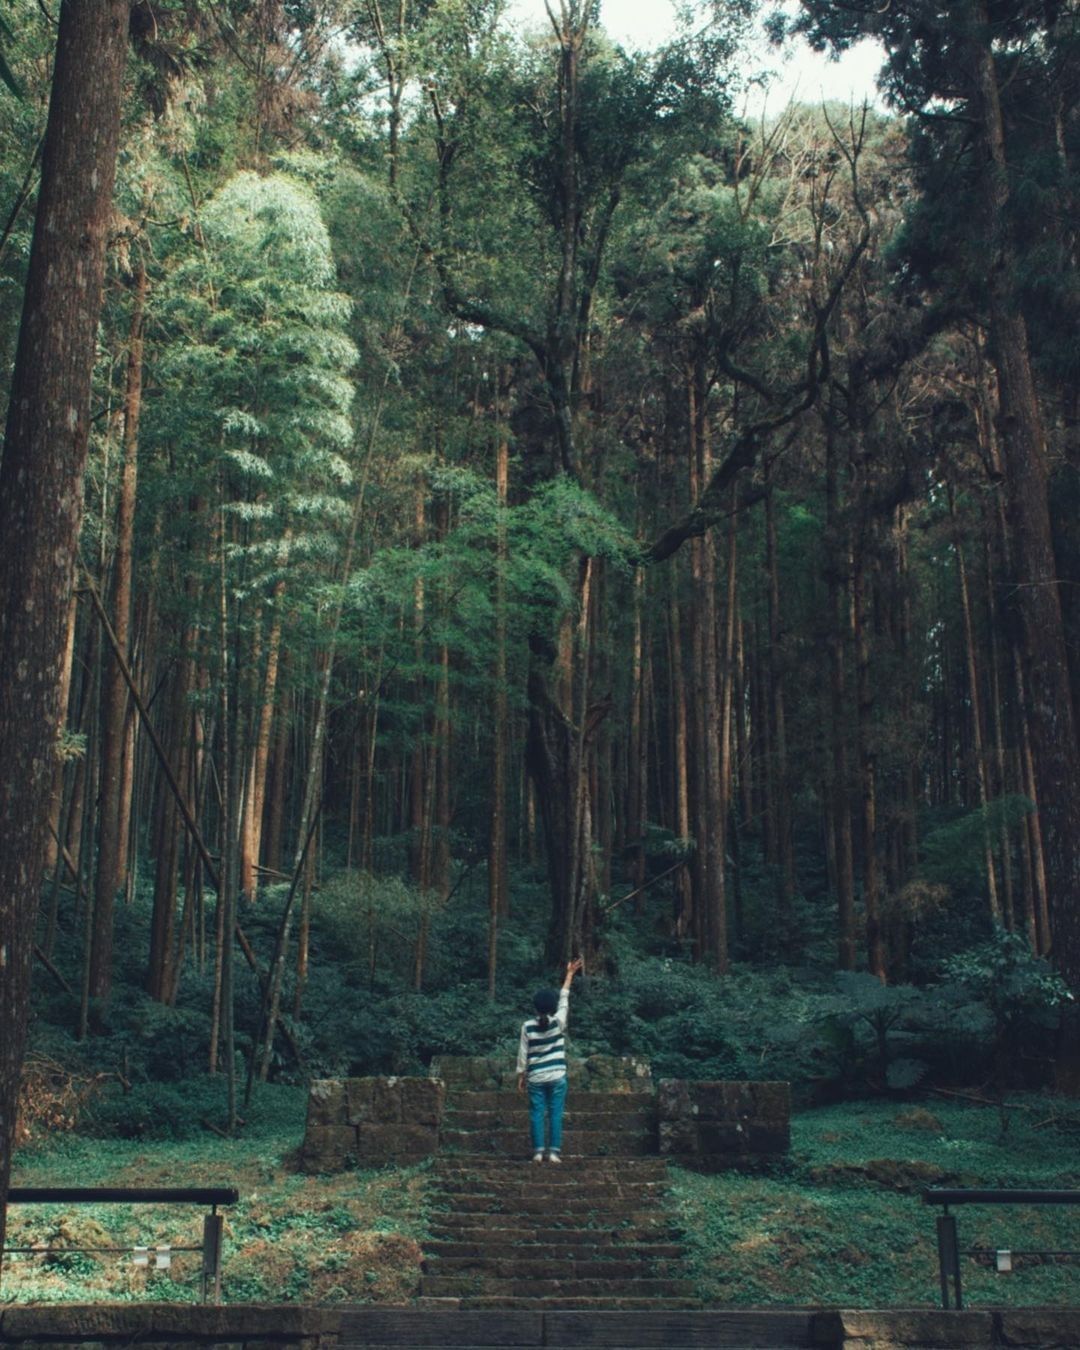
<point x="598" y="1304"/>
<point x="578" y="1143"/>
<point x="472" y="1286"/>
<point x="609" y="1207"/>
<point x="510" y="1161"/>
<point x="650" y="1233"/>
<point x="576" y="1247"/>
<point x="522" y="1267"/>
<point x="554" y="1193"/>
<point x="648" y="1220"/>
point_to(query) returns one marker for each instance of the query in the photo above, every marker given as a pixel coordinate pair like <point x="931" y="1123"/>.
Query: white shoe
<point x="538" y="1157"/>
<point x="552" y="1157"/>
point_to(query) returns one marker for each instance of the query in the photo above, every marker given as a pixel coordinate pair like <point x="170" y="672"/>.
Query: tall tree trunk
<point x="1052" y="717"/>
<point x="637" y="747"/>
<point x="975" y="701"/>
<point x="114" y="716"/>
<point x="53" y="845"/>
<point x="683" y="891"/>
<point x="782" y="786"/>
<point x="251" y="825"/>
<point x="41" y="481"/>
<point x="860" y="609"/>
<point x="498" y="871"/>
<point x="839" y="578"/>
<point x="160" y="978"/>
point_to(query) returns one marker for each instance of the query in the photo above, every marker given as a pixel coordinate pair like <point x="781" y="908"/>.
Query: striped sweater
<point x="542" y="1054"/>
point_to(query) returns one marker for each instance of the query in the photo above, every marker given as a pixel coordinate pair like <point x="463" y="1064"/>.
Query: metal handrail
<point x="213" y="1223"/>
<point x="948" y="1242"/>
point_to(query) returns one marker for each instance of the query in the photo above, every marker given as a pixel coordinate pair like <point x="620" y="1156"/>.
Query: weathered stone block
<point x="678" y="1137"/>
<point x="673" y="1099"/>
<point x="1047" y="1328"/>
<point x="764" y="1136"/>
<point x="327" y="1148"/>
<point x="722" y="1136"/>
<point x="358" y="1096"/>
<point x="166" y="1324"/>
<point x="927" y="1329"/>
<point x="721" y="1101"/>
<point x="422" y="1101"/>
<point x="772" y="1101"/>
<point x="385" y="1142"/>
<point x="373" y="1099"/>
<point x="326" y="1102"/>
<point x="615" y="1073"/>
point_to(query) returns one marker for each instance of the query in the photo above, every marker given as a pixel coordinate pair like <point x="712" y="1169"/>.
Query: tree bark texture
<point x="41" y="481"/>
<point x="114" y="713"/>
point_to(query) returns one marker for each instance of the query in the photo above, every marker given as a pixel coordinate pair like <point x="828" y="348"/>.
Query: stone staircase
<point x="604" y="1124"/>
<point x="591" y="1232"/>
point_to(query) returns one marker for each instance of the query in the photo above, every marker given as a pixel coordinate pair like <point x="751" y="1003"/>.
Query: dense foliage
<point x="538" y="512"/>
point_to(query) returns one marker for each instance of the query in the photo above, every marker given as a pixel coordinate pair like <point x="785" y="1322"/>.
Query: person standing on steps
<point x="541" y="1065"/>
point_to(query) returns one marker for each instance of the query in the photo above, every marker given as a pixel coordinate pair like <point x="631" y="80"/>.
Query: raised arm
<point x="572" y="969"/>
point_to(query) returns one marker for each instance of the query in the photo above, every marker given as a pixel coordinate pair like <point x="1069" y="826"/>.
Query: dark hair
<point x="545" y="1001"/>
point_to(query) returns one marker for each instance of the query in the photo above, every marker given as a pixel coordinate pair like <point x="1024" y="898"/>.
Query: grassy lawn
<point x="843" y="1222"/>
<point x="291" y="1238"/>
<point x="840" y="1222"/>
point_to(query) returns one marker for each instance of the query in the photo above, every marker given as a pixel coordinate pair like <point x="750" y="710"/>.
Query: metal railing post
<point x="949" y="1258"/>
<point x="213" y="1224"/>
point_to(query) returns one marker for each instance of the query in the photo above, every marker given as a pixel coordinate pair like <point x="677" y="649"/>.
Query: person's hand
<point x="572" y="968"/>
<point x="521" y="1082"/>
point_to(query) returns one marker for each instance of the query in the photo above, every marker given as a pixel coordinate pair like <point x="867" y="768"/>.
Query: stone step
<point x="616" y="1238"/>
<point x="448" y="1223"/>
<point x="518" y="1118"/>
<point x="577" y="1143"/>
<point x="607" y="1206"/>
<point x="474" y="1286"/>
<point x="548" y="1181"/>
<point x="563" y="1302"/>
<point x="575" y="1245"/>
<point x="609" y="1102"/>
<point x="522" y="1267"/>
<point x="573" y="1169"/>
<point x="499" y="1321"/>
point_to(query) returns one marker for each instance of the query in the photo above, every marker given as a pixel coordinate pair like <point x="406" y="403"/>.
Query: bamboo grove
<point x="506" y="455"/>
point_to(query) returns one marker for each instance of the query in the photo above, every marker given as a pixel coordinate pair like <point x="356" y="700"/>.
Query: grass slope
<point x="843" y="1222"/>
<point x="291" y="1238"/>
<point x="839" y="1223"/>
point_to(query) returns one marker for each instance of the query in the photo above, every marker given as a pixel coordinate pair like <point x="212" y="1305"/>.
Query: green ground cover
<point x="840" y="1222"/>
<point x="843" y="1222"/>
<point x="291" y="1238"/>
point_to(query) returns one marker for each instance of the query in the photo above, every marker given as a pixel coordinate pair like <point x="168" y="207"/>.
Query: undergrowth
<point x="291" y="1238"/>
<point x="842" y="1221"/>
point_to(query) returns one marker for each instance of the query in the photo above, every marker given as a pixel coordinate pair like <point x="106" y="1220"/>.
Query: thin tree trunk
<point x="498" y="873"/>
<point x="839" y="575"/>
<point x="875" y="938"/>
<point x="683" y="891"/>
<point x="114" y="719"/>
<point x="975" y="698"/>
<point x="251" y="825"/>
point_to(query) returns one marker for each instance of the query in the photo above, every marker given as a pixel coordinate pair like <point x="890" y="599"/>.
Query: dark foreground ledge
<point x="341" y="1327"/>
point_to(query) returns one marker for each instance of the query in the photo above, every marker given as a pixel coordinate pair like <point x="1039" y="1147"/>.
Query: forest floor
<point x="840" y="1222"/>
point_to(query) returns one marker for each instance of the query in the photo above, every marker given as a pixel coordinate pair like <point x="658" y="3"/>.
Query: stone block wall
<point x="595" y="1073"/>
<point x="357" y="1122"/>
<point x="718" y="1125"/>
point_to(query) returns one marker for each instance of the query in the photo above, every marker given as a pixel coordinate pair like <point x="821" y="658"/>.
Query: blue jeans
<point x="547" y="1100"/>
